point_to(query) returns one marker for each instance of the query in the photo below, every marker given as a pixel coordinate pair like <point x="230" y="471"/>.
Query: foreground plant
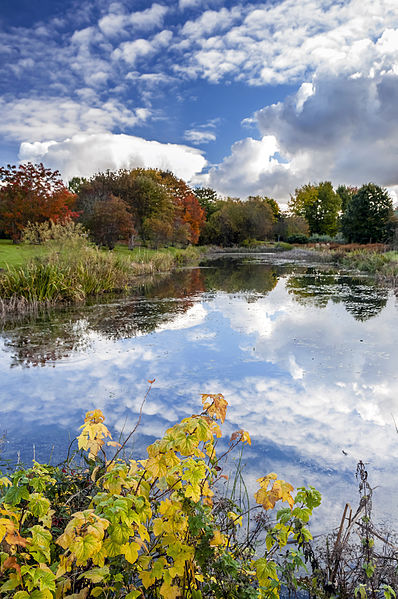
<point x="146" y="528"/>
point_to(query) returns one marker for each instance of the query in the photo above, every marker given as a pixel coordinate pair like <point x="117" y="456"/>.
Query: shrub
<point x="316" y="238"/>
<point x="150" y="528"/>
<point x="297" y="239"/>
<point x="59" y="233"/>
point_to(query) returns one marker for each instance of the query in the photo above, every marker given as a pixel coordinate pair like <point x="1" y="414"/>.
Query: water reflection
<point x="359" y="295"/>
<point x="305" y="358"/>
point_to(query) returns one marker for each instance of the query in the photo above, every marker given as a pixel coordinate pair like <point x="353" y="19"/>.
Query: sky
<point x="245" y="97"/>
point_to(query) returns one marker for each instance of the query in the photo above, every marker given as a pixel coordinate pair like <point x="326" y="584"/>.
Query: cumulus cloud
<point x="198" y="136"/>
<point x="252" y="168"/>
<point x="183" y="4"/>
<point x="338" y="128"/>
<point x="341" y="125"/>
<point x="85" y="154"/>
<point x="116" y="22"/>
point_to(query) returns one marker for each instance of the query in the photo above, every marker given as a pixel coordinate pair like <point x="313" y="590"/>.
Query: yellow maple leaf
<point x="215" y="405"/>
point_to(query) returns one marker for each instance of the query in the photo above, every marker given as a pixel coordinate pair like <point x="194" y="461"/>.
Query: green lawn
<point x="17" y="254"/>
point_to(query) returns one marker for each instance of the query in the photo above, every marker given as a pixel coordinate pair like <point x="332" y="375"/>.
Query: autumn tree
<point x="32" y="193"/>
<point x="187" y="209"/>
<point x="110" y="222"/>
<point x="154" y="197"/>
<point x="369" y="216"/>
<point x="319" y="205"/>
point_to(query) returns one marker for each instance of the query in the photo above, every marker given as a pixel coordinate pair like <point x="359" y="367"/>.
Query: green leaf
<point x="95" y="574"/>
<point x="85" y="547"/>
<point x="38" y="505"/>
<point x="361" y="589"/>
<point x="265" y="570"/>
<point x="10" y="584"/>
<point x="112" y="548"/>
<point x="15" y="494"/>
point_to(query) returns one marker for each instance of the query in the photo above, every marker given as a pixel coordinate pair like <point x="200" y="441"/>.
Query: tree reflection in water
<point x="58" y="333"/>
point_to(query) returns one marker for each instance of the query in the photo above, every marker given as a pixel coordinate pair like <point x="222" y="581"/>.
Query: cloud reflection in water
<point x="306" y="360"/>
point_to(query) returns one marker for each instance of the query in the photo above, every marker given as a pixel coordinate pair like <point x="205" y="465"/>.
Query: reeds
<point x="73" y="270"/>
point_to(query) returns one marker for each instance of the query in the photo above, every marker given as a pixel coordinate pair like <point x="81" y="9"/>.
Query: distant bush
<point x="316" y="238"/>
<point x="301" y="239"/>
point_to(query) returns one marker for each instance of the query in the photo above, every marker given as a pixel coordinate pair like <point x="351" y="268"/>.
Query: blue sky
<point x="249" y="98"/>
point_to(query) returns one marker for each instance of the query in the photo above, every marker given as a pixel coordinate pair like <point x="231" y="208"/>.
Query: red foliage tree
<point x="188" y="209"/>
<point x="32" y="193"/>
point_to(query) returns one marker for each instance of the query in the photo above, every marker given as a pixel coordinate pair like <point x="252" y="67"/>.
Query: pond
<point x="306" y="357"/>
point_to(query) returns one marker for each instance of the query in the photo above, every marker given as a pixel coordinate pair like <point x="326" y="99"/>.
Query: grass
<point x="12" y="254"/>
<point x="73" y="270"/>
<point x="20" y="254"/>
<point x="365" y="258"/>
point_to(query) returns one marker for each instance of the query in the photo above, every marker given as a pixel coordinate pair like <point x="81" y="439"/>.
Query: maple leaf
<point x="241" y="435"/>
<point x="215" y="405"/>
<point x="130" y="551"/>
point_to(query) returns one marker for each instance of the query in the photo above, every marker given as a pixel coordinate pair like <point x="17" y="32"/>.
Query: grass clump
<point x="65" y="276"/>
<point x="61" y="265"/>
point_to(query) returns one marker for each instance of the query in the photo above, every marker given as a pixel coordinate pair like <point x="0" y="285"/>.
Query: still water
<point x="305" y="356"/>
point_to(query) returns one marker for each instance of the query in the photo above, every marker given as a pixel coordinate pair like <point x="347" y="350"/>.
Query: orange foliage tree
<point x="188" y="208"/>
<point x="32" y="193"/>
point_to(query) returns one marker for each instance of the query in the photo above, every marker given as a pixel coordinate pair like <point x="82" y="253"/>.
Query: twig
<point x="134" y="429"/>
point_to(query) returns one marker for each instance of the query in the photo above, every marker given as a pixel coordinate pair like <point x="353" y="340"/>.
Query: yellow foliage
<point x="150" y="515"/>
<point x="91" y="438"/>
<point x="215" y="405"/>
<point x="279" y="490"/>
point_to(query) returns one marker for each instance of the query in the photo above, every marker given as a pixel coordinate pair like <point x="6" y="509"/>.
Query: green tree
<point x="289" y="225"/>
<point x="319" y="205"/>
<point x="346" y="193"/>
<point x="208" y="199"/>
<point x="235" y="221"/>
<point x="369" y="216"/>
<point x="76" y="183"/>
<point x="273" y="204"/>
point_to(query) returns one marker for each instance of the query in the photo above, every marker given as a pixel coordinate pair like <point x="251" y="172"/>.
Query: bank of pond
<point x="67" y="268"/>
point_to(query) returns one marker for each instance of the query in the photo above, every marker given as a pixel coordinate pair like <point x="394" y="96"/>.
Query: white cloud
<point x="131" y="51"/>
<point x="198" y="136"/>
<point x="41" y="119"/>
<point x="341" y="125"/>
<point x="209" y="21"/>
<point x="112" y="24"/>
<point x="85" y="154"/>
<point x="150" y="18"/>
<point x="183" y="4"/>
<point x="250" y="169"/>
<point x="116" y="22"/>
<point x="283" y="42"/>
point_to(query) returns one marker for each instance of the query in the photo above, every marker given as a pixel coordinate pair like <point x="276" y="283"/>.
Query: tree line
<point x="156" y="208"/>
